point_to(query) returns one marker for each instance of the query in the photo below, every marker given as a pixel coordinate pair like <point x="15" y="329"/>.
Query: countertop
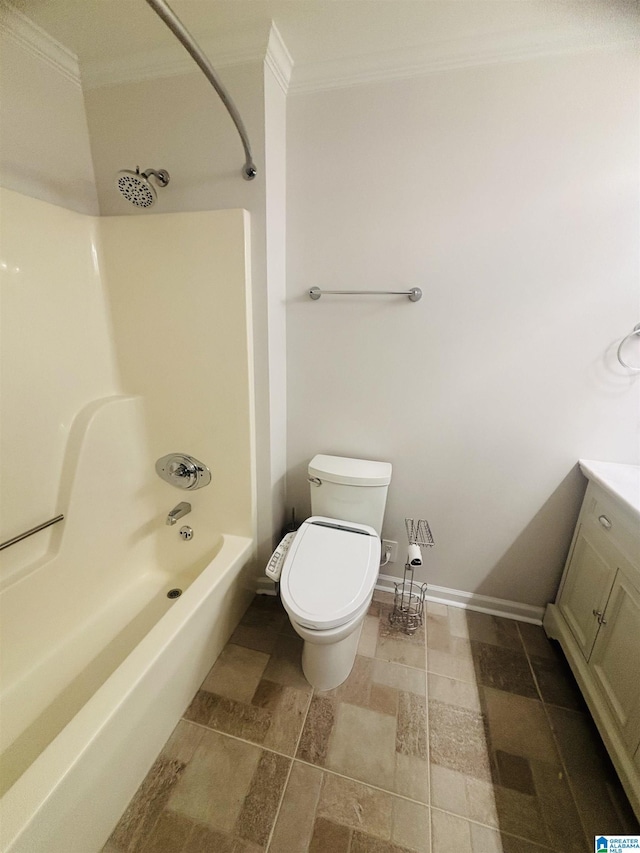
<point x="620" y="480"/>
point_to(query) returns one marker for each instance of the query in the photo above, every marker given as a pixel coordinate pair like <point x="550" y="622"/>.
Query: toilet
<point x="331" y="567"/>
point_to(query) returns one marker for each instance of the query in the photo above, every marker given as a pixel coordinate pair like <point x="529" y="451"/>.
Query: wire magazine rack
<point x="408" y="600"/>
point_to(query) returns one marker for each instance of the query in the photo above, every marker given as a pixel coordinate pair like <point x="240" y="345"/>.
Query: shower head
<point x="136" y="187"/>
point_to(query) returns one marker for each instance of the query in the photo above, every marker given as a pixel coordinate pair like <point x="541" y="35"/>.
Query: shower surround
<point x="123" y="339"/>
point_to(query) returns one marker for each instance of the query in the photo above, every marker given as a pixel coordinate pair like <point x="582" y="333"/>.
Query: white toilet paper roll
<point x="414" y="556"/>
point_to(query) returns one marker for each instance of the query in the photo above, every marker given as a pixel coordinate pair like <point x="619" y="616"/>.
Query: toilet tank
<point x="349" y="489"/>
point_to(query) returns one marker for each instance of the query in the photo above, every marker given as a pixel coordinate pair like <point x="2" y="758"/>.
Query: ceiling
<point x="319" y="33"/>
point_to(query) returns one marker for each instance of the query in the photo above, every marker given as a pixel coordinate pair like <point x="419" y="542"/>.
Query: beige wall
<point x="509" y="194"/>
<point x="179" y="124"/>
<point x="155" y="306"/>
<point x="56" y="355"/>
<point x="178" y="292"/>
<point x="58" y="346"/>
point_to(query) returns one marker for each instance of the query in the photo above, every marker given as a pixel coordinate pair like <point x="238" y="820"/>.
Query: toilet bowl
<point x="326" y="586"/>
<point x="329" y="570"/>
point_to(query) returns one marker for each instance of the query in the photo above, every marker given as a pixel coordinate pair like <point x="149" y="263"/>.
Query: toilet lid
<point x="329" y="572"/>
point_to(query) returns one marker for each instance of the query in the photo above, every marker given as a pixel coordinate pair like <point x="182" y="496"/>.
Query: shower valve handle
<point x="183" y="471"/>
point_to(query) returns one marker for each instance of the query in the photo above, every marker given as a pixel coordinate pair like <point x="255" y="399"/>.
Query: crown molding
<point x="446" y="55"/>
<point x="32" y="38"/>
<point x="235" y="49"/>
<point x="173" y="60"/>
<point x="265" y="44"/>
<point x="278" y="59"/>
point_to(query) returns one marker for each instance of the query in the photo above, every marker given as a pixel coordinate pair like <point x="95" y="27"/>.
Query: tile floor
<point x="468" y="737"/>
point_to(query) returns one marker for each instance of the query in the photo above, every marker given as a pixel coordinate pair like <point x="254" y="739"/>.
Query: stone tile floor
<point x="469" y="736"/>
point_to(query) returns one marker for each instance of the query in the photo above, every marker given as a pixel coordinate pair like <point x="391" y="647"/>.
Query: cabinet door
<point x="615" y="661"/>
<point x="586" y="589"/>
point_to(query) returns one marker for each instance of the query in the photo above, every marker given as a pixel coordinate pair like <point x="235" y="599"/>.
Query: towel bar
<point x="415" y="294"/>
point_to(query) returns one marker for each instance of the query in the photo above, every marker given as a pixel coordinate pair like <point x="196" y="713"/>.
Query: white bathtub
<point x="97" y="663"/>
<point x="72" y="793"/>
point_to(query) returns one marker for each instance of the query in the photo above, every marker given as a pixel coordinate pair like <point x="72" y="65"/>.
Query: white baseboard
<point x="472" y="601"/>
<point x="443" y="595"/>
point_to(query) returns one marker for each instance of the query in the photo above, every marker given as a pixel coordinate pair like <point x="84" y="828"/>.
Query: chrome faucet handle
<point x="183" y="471"/>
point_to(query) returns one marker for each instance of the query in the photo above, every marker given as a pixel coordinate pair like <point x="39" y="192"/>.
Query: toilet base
<point x="327" y="665"/>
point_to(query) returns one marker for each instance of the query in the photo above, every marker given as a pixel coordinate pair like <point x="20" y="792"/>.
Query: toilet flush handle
<point x="315" y="481"/>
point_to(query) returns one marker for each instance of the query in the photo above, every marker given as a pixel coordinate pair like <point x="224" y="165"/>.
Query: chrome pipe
<point x="166" y="13"/>
<point x="33" y="530"/>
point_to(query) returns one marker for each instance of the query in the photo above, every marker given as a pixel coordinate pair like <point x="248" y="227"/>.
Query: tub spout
<point x="178" y="511"/>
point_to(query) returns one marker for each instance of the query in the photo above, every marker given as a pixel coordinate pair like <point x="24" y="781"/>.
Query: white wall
<point x="509" y="194"/>
<point x="276" y="219"/>
<point x="44" y="141"/>
<point x="179" y="124"/>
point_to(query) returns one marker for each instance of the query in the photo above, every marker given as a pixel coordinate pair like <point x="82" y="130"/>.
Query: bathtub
<point x="98" y="663"/>
<point x="72" y="793"/>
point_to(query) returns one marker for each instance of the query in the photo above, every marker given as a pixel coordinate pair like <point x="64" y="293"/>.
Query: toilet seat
<point x="329" y="572"/>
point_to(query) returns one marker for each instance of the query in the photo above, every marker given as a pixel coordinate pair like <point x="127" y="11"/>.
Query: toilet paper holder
<point x="419" y="532"/>
<point x="408" y="600"/>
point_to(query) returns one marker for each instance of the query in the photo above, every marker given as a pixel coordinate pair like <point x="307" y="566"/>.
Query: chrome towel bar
<point x="33" y="530"/>
<point x="415" y="294"/>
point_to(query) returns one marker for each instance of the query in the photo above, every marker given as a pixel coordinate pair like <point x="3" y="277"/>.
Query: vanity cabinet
<point x="615" y="659"/>
<point x="586" y="588"/>
<point x="596" y="619"/>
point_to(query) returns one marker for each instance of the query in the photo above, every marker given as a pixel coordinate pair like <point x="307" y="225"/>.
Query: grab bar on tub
<point x="33" y="530"/>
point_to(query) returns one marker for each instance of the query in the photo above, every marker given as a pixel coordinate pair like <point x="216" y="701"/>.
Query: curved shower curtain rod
<point x="164" y="11"/>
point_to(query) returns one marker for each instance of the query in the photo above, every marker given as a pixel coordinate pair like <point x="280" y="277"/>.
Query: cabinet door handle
<point x="604" y="521"/>
<point x="599" y="616"/>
